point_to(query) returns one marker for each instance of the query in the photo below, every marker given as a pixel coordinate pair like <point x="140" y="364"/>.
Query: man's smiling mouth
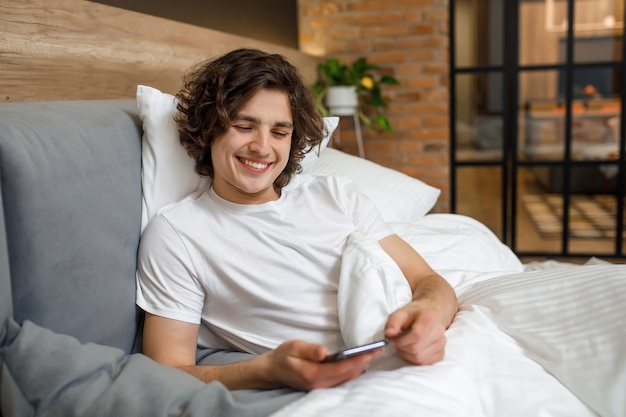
<point x="253" y="164"/>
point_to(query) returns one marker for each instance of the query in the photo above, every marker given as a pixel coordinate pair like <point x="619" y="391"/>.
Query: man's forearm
<point x="250" y="374"/>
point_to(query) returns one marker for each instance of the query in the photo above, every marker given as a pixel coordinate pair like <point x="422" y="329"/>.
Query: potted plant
<point x="361" y="87"/>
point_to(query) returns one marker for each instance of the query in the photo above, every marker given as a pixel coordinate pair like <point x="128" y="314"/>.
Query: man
<point x="252" y="263"/>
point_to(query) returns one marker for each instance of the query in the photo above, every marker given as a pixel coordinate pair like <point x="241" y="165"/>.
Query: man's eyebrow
<point x="246" y="118"/>
<point x="284" y="124"/>
<point x="256" y="120"/>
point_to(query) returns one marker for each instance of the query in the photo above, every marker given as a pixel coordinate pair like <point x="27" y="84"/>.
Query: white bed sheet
<point x="485" y="373"/>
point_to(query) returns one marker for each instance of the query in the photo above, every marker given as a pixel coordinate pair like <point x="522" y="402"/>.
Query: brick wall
<point x="409" y="39"/>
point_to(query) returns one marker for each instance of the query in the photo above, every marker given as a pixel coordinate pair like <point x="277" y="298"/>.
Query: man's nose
<point x="260" y="144"/>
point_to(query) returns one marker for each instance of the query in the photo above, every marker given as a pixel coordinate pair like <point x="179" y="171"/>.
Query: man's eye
<point x="242" y="128"/>
<point x="281" y="134"/>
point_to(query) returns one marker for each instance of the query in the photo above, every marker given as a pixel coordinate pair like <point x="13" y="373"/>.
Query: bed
<point x="542" y="339"/>
<point x="537" y="339"/>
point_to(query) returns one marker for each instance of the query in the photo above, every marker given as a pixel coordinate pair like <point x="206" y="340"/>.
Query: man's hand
<point x="299" y="365"/>
<point x="426" y="318"/>
<point x="417" y="333"/>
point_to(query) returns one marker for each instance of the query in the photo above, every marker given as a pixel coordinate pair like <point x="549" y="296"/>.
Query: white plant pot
<point x="342" y="100"/>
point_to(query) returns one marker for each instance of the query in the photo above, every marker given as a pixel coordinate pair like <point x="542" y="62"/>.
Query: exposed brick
<point x="379" y="147"/>
<point x="422" y="82"/>
<point x="322" y="22"/>
<point x="408" y="39"/>
<point x="395" y="30"/>
<point x="412" y="97"/>
<point x="423" y="29"/>
<point x="435" y="41"/>
<point x="344" y="33"/>
<point x="389" y="18"/>
<point x="434" y="68"/>
<point x="410" y="42"/>
<point x="368" y="5"/>
<point x="422" y="55"/>
<point x="430" y="134"/>
<point x="388" y="58"/>
<point x="344" y="19"/>
<point x="410" y="146"/>
<point x="384" y="44"/>
<point x="439" y="15"/>
<point x="416" y="3"/>
<point x="409" y="69"/>
<point x="370" y="19"/>
<point x="432" y="160"/>
<point x="305" y="37"/>
<point x="436" y="121"/>
<point x="435" y="146"/>
<point x="429" y="108"/>
<point x="436" y="95"/>
<point x="414" y="122"/>
<point x="414" y="15"/>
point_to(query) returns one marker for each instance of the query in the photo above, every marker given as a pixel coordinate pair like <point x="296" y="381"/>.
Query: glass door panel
<point x="541" y="116"/>
<point x="478" y="194"/>
<point x="589" y="15"/>
<point x="592" y="223"/>
<point x="538" y="45"/>
<point x="475" y="21"/>
<point x="478" y="127"/>
<point x="537" y="220"/>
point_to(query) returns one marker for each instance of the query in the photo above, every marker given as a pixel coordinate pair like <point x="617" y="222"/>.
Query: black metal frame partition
<point x="510" y="163"/>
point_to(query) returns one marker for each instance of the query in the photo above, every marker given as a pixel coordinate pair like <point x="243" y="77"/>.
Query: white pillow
<point x="572" y="321"/>
<point x="168" y="173"/>
<point x="399" y="197"/>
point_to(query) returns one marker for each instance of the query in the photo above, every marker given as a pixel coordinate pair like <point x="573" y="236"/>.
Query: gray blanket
<point x="48" y="374"/>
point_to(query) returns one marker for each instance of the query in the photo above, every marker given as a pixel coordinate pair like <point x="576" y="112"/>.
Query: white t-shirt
<point x="254" y="276"/>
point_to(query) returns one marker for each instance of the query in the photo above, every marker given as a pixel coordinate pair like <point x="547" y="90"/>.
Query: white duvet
<point x="525" y="343"/>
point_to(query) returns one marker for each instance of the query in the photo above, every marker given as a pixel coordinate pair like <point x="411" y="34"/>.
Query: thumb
<point x="396" y="323"/>
<point x="310" y="351"/>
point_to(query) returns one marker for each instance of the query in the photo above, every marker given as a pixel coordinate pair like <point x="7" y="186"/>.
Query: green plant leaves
<point x="333" y="72"/>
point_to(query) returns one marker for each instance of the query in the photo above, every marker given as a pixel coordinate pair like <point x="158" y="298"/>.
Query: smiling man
<point x="252" y="263"/>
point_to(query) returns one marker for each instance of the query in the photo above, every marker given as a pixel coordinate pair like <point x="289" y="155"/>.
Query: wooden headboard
<point x="77" y="49"/>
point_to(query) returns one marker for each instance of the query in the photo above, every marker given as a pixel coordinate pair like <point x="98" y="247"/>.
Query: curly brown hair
<point x="215" y="90"/>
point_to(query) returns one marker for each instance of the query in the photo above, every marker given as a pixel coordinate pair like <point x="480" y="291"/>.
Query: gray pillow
<point x="71" y="191"/>
<point x="6" y="305"/>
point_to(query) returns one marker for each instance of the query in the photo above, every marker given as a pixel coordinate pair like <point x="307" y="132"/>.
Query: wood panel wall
<point x="76" y="49"/>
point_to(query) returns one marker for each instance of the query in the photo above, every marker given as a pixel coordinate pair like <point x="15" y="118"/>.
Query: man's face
<point x="254" y="150"/>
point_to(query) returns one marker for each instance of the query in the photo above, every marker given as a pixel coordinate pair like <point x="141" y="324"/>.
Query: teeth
<point x="255" y="165"/>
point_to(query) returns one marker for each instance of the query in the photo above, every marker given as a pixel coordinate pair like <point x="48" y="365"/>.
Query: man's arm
<point x="295" y="363"/>
<point x="428" y="315"/>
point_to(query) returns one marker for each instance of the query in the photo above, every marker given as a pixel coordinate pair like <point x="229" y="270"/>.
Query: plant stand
<point x="357" y="128"/>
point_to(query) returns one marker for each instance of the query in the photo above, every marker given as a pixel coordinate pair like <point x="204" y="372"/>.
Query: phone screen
<point x="357" y="350"/>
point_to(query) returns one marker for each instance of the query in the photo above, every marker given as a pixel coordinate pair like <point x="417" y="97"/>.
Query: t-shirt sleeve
<point x="365" y="215"/>
<point x="167" y="284"/>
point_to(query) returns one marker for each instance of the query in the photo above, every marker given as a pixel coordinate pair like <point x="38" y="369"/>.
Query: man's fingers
<point x="303" y="350"/>
<point x="423" y="354"/>
<point x="397" y="323"/>
<point x="346" y="369"/>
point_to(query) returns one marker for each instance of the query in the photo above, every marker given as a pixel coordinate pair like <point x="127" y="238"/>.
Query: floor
<point x="478" y="195"/>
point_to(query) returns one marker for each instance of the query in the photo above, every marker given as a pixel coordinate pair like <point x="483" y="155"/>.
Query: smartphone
<point x="353" y="351"/>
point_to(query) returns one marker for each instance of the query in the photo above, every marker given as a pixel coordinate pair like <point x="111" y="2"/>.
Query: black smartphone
<point x="353" y="351"/>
